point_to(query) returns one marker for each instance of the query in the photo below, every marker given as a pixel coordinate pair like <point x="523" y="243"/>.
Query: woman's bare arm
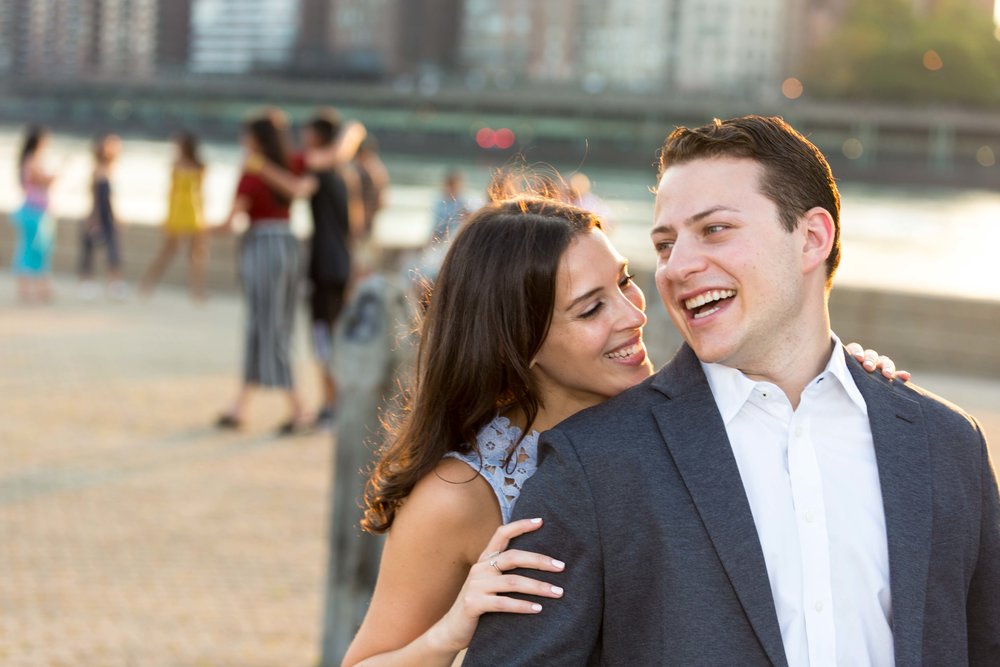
<point x="436" y="579"/>
<point x="341" y="151"/>
<point x="288" y="183"/>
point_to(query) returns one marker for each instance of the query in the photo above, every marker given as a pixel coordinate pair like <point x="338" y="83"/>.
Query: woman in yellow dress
<point x="185" y="218"/>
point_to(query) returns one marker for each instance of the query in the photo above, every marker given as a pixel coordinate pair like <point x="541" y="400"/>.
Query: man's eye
<point x="712" y="229"/>
<point x="662" y="246"/>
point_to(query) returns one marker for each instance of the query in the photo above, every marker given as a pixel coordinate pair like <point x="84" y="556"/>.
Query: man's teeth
<point x="706" y="313"/>
<point x="708" y="297"/>
<point x="624" y="353"/>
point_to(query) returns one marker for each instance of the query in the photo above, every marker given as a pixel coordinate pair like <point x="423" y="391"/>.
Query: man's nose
<point x="686" y="259"/>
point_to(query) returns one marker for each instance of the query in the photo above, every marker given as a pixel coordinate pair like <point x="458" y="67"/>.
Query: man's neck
<point x="793" y="361"/>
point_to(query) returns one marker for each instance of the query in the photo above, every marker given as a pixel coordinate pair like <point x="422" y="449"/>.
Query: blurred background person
<point x="35" y="229"/>
<point x="338" y="224"/>
<point x="451" y="208"/>
<point x="185" y="218"/>
<point x="101" y="227"/>
<point x="269" y="273"/>
<point x="337" y="211"/>
<point x="373" y="179"/>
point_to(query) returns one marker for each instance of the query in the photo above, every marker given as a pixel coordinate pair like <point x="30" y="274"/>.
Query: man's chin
<point x="706" y="353"/>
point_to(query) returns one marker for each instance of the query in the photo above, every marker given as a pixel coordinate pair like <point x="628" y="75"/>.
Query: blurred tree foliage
<point x="878" y="53"/>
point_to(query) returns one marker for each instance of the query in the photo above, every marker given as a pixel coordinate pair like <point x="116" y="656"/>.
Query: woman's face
<point x="249" y="143"/>
<point x="112" y="148"/>
<point x="594" y="348"/>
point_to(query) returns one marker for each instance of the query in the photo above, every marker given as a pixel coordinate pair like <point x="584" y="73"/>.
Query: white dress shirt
<point x="812" y="481"/>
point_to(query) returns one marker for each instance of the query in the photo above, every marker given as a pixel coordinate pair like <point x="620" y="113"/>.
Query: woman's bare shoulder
<point x="452" y="501"/>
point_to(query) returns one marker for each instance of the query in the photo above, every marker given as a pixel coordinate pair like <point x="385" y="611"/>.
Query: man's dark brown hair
<point x="796" y="176"/>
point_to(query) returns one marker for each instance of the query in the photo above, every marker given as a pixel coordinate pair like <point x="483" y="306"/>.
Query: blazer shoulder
<point x="611" y="412"/>
<point x="939" y="411"/>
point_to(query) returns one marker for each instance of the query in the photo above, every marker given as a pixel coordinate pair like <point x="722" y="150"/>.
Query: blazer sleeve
<point x="567" y="630"/>
<point x="983" y="611"/>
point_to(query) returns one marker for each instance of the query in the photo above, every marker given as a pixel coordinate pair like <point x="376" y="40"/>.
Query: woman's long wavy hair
<point x="271" y="143"/>
<point x="488" y="316"/>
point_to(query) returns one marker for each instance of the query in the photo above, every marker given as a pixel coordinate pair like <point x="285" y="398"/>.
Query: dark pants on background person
<point x="103" y="234"/>
<point x="326" y="300"/>
<point x="269" y="271"/>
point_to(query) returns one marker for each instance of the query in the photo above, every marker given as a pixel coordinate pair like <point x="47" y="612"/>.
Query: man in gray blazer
<point x="760" y="500"/>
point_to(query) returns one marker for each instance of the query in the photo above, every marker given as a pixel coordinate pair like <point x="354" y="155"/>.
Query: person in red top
<point x="269" y="272"/>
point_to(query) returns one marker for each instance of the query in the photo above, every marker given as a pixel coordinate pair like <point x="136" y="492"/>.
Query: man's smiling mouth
<point x="708" y="302"/>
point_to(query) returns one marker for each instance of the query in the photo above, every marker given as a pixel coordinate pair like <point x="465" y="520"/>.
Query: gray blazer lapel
<point x="902" y="453"/>
<point x="695" y="435"/>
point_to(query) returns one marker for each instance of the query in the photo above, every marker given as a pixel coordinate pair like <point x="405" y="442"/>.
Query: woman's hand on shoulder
<point x="872" y="361"/>
<point x="487" y="582"/>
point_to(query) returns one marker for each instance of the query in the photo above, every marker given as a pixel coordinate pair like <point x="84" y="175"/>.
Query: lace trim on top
<point x="487" y="458"/>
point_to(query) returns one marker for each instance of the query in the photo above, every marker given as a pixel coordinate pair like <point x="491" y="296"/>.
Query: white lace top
<point x="487" y="458"/>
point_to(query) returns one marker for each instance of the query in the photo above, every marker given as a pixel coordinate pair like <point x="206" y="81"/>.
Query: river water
<point x="925" y="240"/>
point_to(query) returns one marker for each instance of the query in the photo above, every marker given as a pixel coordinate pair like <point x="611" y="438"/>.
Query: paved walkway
<point x="134" y="534"/>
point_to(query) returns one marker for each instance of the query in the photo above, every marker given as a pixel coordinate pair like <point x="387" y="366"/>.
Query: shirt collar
<point x="837" y="368"/>
<point x="731" y="388"/>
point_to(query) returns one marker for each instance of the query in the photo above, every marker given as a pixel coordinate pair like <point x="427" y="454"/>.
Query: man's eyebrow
<point x="697" y="217"/>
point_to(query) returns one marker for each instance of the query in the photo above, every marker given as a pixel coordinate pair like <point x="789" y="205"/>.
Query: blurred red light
<point x="486" y="138"/>
<point x="504" y="138"/>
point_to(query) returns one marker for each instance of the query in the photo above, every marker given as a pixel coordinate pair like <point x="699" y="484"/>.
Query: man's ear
<point x="817" y="230"/>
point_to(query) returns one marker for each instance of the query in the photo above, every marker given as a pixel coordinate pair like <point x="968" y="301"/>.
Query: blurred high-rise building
<point x="173" y="36"/>
<point x="8" y="10"/>
<point x="429" y="34"/>
<point x="627" y="44"/>
<point x="54" y="38"/>
<point x="731" y="46"/>
<point x="242" y="36"/>
<point x="125" y="35"/>
<point x="80" y="39"/>
<point x="365" y="36"/>
<point x="511" y="41"/>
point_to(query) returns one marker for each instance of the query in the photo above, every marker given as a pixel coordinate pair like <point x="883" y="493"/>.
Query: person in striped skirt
<point x="269" y="272"/>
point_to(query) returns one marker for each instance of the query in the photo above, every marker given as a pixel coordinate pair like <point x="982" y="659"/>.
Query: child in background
<point x="185" y="218"/>
<point x="100" y="228"/>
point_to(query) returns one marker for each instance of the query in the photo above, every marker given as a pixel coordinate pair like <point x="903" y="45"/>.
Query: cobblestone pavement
<point x="134" y="534"/>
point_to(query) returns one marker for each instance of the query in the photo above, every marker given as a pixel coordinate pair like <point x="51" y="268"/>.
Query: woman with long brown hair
<point x="533" y="317"/>
<point x="269" y="273"/>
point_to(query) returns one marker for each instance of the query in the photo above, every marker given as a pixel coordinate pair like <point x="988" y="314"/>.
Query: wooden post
<point x="370" y="351"/>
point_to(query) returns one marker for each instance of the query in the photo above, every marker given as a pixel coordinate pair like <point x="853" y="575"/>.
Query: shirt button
<point x="798" y="431"/>
<point x="810" y="517"/>
<point x="819" y="605"/>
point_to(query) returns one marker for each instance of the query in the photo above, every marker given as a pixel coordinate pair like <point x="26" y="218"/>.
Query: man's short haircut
<point x="796" y="176"/>
<point x="325" y="124"/>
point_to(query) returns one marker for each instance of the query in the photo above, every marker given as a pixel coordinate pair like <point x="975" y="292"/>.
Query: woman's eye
<point x="590" y="312"/>
<point x="626" y="280"/>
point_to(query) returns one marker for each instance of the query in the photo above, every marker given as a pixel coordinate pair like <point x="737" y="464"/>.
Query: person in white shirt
<point x="759" y="501"/>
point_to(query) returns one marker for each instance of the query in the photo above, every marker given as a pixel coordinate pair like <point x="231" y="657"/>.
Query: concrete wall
<point x="139" y="244"/>
<point x="928" y="333"/>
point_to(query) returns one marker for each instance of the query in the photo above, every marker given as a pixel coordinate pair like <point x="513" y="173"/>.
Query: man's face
<point x="309" y="138"/>
<point x="729" y="274"/>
